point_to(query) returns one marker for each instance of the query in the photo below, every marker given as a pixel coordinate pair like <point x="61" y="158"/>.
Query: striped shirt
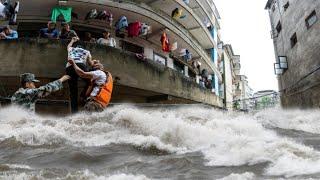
<point x="79" y="55"/>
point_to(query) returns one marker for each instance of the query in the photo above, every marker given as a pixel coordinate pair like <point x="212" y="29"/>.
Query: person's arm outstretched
<point x="80" y="72"/>
<point x="51" y="87"/>
<point x="73" y="40"/>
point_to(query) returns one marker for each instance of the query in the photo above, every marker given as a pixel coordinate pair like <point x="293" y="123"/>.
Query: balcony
<point x="206" y="9"/>
<point x="136" y="81"/>
<point x="192" y="22"/>
<point x="134" y="10"/>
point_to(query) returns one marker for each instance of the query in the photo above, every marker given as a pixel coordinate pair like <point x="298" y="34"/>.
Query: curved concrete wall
<point x="47" y="59"/>
<point x="28" y="15"/>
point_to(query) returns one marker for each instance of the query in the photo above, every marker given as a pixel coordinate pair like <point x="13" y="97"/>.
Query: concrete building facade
<point x="244" y="93"/>
<point x="296" y="34"/>
<point x="231" y="70"/>
<point x="238" y="93"/>
<point x="197" y="30"/>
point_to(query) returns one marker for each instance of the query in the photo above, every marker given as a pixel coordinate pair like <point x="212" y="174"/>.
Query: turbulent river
<point x="184" y="142"/>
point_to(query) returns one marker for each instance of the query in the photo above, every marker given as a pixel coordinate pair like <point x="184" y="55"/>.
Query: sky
<point x="246" y="26"/>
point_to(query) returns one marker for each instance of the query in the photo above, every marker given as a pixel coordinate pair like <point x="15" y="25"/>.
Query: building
<point x="238" y="93"/>
<point x="231" y="71"/>
<point x="295" y="32"/>
<point x="265" y="99"/>
<point x="244" y="93"/>
<point x="162" y="78"/>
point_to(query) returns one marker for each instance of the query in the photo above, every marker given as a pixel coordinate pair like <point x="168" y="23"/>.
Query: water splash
<point x="244" y="176"/>
<point x="83" y="175"/>
<point x="295" y="119"/>
<point x="224" y="138"/>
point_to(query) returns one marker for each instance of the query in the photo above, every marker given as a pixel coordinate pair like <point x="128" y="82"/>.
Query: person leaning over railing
<point x="8" y="33"/>
<point x="107" y="40"/>
<point x="50" y="32"/>
<point x="66" y="32"/>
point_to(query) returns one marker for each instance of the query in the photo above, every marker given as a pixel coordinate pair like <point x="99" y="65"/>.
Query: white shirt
<point x="2" y="10"/>
<point x="107" y="42"/>
<point x="99" y="79"/>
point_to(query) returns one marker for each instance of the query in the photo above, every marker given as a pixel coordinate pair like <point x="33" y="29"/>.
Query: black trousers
<point x="73" y="86"/>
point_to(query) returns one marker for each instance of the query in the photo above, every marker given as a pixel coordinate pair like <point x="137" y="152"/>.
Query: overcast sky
<point x="245" y="25"/>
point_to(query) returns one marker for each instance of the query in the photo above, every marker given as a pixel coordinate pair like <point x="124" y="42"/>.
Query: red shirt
<point x="134" y="29"/>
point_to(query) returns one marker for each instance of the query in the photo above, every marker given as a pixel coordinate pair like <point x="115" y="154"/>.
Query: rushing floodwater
<point x="189" y="142"/>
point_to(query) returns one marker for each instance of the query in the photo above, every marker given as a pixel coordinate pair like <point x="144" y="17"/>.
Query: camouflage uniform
<point x="27" y="97"/>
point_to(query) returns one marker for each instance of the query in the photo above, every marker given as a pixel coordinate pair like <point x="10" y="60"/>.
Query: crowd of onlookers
<point x="52" y="32"/>
<point x="205" y="80"/>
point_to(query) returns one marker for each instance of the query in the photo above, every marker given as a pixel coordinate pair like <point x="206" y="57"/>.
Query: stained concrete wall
<point x="146" y="79"/>
<point x="228" y="80"/>
<point x="297" y="91"/>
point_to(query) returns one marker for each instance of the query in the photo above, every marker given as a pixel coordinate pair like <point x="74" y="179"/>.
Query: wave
<point x="244" y="176"/>
<point x="86" y="174"/>
<point x="224" y="138"/>
<point x="295" y="119"/>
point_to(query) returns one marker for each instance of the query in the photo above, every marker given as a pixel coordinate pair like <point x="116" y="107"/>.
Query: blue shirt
<point x="13" y="35"/>
<point x="45" y="33"/>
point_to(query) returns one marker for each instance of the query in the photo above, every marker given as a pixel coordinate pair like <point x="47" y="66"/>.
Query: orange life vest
<point x="104" y="95"/>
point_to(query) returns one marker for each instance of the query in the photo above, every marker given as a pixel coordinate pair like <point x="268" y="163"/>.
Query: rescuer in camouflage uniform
<point x="27" y="95"/>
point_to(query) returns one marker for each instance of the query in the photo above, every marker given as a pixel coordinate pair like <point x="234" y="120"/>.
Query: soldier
<point x="28" y="93"/>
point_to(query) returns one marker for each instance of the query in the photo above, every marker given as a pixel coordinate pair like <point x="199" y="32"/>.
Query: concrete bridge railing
<point x="47" y="59"/>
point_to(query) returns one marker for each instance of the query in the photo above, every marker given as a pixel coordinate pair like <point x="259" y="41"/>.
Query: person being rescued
<point x="100" y="91"/>
<point x="83" y="59"/>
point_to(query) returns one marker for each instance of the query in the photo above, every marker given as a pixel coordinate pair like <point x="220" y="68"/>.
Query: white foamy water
<point x="18" y="166"/>
<point x="244" y="176"/>
<point x="224" y="139"/>
<point x="301" y="120"/>
<point x="83" y="175"/>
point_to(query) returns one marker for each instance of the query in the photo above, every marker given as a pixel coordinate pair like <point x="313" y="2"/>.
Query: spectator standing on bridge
<point x="8" y="33"/>
<point x="50" y="32"/>
<point x="81" y="57"/>
<point x="66" y="32"/>
<point x="27" y="95"/>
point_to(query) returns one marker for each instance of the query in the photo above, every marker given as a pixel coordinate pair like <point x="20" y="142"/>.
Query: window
<point x="286" y="6"/>
<point x="279" y="27"/>
<point x="274" y="5"/>
<point x="311" y="19"/>
<point x="293" y="40"/>
<point x="273" y="8"/>
<point x="178" y="66"/>
<point x="160" y="59"/>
